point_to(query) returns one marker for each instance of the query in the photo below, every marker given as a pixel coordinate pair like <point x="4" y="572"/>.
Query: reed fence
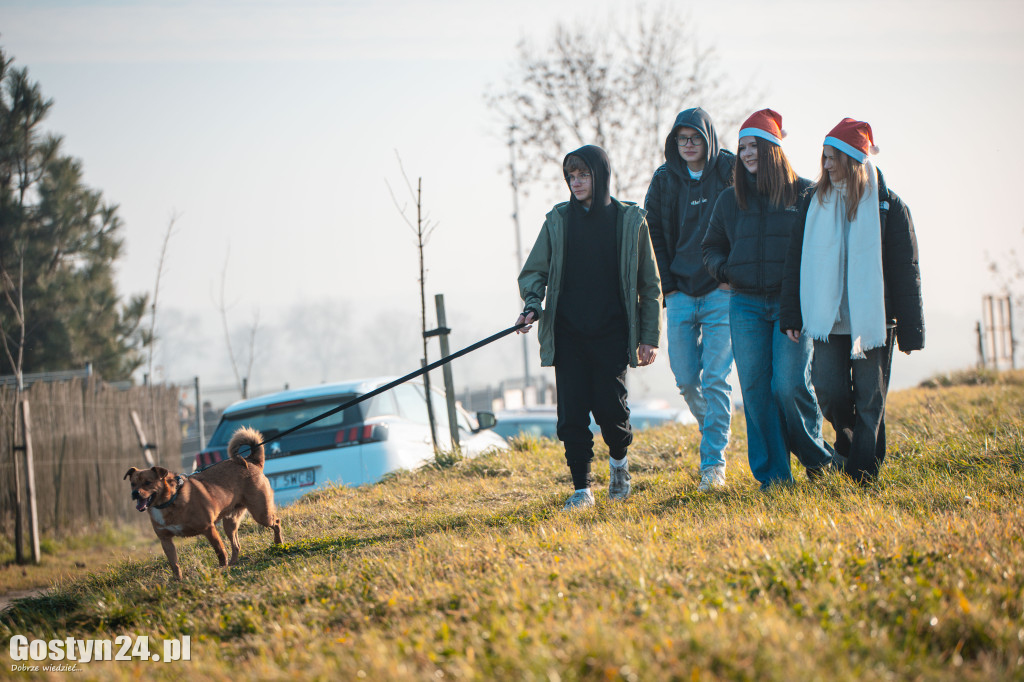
<point x="83" y="442"/>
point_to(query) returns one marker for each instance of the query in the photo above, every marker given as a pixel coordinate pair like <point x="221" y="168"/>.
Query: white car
<point x="358" y="445"/>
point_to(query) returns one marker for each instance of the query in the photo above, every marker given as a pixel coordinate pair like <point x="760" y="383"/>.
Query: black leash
<point x="387" y="387"/>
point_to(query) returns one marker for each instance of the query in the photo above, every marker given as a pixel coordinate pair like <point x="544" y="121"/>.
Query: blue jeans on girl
<point x="779" y="403"/>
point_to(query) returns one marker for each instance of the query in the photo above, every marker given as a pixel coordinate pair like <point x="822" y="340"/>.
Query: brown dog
<point x="184" y="507"/>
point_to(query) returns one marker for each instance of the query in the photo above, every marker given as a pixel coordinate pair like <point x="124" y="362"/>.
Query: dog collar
<point x="168" y="503"/>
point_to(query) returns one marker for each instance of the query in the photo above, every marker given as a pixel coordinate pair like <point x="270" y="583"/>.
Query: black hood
<point x="699" y="120"/>
<point x="600" y="173"/>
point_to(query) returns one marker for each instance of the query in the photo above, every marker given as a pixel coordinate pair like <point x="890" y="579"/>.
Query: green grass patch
<point x="469" y="570"/>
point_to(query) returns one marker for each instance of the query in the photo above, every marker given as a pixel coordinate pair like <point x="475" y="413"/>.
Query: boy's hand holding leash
<point x="526" y="318"/>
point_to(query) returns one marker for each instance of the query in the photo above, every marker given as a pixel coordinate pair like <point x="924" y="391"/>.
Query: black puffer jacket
<point x="901" y="271"/>
<point x="746" y="249"/>
<point x="679" y="208"/>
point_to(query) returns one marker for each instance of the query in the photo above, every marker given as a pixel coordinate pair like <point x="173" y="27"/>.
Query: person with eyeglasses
<point x="746" y="247"/>
<point x="852" y="283"/>
<point x="679" y="202"/>
<point x="591" y="281"/>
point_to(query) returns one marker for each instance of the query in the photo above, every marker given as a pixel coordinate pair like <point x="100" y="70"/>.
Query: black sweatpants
<point x="852" y="397"/>
<point x="590" y="376"/>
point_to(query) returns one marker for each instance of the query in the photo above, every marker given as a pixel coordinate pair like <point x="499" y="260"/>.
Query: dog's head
<point x="151" y="485"/>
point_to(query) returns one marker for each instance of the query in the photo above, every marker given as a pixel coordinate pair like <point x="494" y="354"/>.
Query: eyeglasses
<point x="696" y="140"/>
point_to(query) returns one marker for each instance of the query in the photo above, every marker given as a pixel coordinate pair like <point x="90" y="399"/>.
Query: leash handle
<point x="401" y="380"/>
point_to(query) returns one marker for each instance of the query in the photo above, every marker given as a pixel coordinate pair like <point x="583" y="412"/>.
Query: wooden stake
<point x="143" y="443"/>
<point x="449" y="384"/>
<point x="30" y="481"/>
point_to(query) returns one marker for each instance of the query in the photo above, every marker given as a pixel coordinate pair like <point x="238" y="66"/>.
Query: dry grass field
<point x="469" y="570"/>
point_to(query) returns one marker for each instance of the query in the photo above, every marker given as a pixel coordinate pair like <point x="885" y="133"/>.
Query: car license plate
<point x="292" y="479"/>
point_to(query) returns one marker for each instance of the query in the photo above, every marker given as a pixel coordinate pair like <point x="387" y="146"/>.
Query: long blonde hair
<point x="855" y="174"/>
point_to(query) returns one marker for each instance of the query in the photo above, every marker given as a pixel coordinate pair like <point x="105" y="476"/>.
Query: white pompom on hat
<point x="854" y="138"/>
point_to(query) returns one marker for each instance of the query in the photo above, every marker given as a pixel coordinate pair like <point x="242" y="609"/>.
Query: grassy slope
<point x="89" y="550"/>
<point x="472" y="572"/>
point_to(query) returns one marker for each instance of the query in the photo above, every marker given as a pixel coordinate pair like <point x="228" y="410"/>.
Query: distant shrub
<point x="966" y="377"/>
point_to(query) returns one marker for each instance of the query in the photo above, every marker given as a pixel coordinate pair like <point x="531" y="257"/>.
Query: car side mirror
<point x="486" y="420"/>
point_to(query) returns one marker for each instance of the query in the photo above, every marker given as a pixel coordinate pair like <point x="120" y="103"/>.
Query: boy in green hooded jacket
<point x="594" y="267"/>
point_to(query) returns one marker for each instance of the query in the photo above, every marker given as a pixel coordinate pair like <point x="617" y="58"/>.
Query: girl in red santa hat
<point x="746" y="247"/>
<point x="853" y="284"/>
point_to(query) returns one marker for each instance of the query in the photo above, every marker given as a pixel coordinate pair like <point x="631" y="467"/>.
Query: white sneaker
<point x="618" y="486"/>
<point x="579" y="500"/>
<point x="710" y="481"/>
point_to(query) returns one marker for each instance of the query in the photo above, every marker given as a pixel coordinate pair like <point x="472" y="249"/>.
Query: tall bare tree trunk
<point x="423" y="310"/>
<point x="422" y="229"/>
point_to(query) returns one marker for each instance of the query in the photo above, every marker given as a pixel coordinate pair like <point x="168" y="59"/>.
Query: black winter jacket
<point x="746" y="249"/>
<point x="679" y="208"/>
<point x="901" y="271"/>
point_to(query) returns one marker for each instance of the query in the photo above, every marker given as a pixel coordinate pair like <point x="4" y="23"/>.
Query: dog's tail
<point x="246" y="447"/>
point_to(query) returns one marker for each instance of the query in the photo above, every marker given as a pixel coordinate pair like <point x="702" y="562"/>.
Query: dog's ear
<point x="160" y="472"/>
<point x="130" y="472"/>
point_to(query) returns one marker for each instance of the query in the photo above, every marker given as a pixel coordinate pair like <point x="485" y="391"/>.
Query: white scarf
<point x="829" y="261"/>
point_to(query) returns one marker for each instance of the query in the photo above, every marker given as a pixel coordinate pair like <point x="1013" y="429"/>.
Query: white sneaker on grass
<point x="711" y="481"/>
<point x="579" y="500"/>
<point x="618" y="486"/>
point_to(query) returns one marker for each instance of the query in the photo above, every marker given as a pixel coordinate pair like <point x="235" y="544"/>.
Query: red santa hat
<point x="853" y="138"/>
<point x="766" y="124"/>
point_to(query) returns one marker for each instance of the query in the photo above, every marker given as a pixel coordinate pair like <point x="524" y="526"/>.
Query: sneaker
<point x="618" y="487"/>
<point x="710" y="481"/>
<point x="579" y="500"/>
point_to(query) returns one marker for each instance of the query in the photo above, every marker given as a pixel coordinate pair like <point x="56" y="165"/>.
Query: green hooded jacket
<point x="639" y="283"/>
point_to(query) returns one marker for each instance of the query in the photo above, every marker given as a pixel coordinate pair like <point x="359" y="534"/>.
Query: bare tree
<point x="422" y="228"/>
<point x="389" y="334"/>
<point x="320" y="333"/>
<point x="1008" y="272"/>
<point x="14" y="296"/>
<point x="150" y="337"/>
<point x="240" y="379"/>
<point x="615" y="84"/>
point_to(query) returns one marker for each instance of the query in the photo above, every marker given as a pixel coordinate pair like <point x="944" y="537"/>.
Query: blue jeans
<point x="700" y="354"/>
<point x="778" y="398"/>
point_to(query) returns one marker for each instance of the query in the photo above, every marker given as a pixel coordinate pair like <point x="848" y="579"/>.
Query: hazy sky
<point x="271" y="128"/>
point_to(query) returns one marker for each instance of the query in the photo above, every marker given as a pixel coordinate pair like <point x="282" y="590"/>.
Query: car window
<point x="382" y="405"/>
<point x="273" y="419"/>
<point x="534" y="425"/>
<point x="463" y="420"/>
<point x="411" y="404"/>
<point x="438" y="402"/>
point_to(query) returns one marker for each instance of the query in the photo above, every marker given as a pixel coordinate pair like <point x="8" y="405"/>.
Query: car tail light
<point x="205" y="459"/>
<point x="361" y="433"/>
